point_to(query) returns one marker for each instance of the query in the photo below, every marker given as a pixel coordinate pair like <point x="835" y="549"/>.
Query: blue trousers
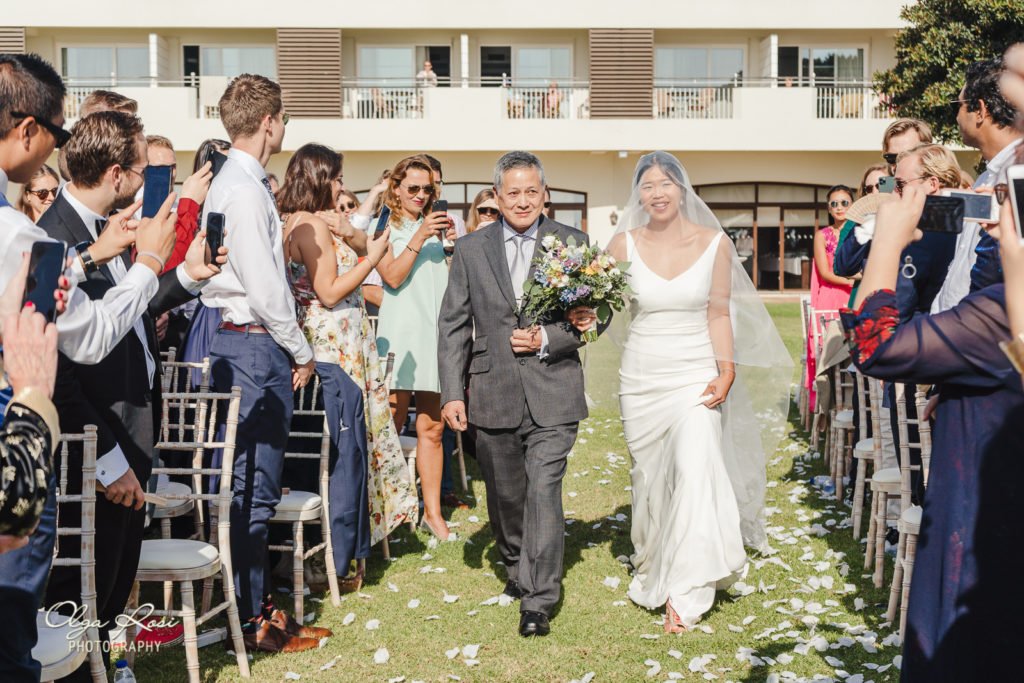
<point x="23" y="575"/>
<point x="349" y="500"/>
<point x="262" y="369"/>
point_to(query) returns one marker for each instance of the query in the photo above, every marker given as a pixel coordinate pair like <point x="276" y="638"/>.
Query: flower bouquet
<point x="570" y="275"/>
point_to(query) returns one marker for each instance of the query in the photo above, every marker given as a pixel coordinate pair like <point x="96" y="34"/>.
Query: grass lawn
<point x="807" y="612"/>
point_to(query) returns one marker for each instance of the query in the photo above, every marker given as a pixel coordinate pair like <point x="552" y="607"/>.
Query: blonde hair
<point x="901" y="126"/>
<point x="936" y="162"/>
<point x="884" y="168"/>
<point x="159" y="141"/>
<point x="249" y="99"/>
<point x="106" y="100"/>
<point x="473" y="222"/>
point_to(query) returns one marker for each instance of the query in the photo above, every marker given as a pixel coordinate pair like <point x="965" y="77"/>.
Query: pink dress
<point x="825" y="298"/>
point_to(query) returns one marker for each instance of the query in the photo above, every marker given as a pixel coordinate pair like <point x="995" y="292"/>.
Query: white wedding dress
<point x="686" y="527"/>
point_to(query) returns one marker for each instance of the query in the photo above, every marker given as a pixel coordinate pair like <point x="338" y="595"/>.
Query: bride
<point x="699" y="351"/>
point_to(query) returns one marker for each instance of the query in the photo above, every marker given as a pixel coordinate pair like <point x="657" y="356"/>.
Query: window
<point x="96" y="66"/>
<point x="715" y="65"/>
<point x="232" y="61"/>
<point x="542" y="65"/>
<point x="809" y="65"/>
<point x="388" y="65"/>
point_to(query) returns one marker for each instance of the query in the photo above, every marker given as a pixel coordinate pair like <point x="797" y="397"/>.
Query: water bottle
<point x="123" y="674"/>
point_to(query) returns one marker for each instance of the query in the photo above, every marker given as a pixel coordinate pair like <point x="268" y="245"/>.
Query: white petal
<point x="612" y="582"/>
<point x="452" y="653"/>
<point x="392" y="587"/>
<point x="470" y="662"/>
<point x="373" y="624"/>
<point x="675" y="654"/>
<point x="655" y="668"/>
<point x="471" y="651"/>
<point x="309" y="618"/>
<point x="349" y="618"/>
<point x="474" y="519"/>
<point x="381" y="656"/>
<point x="649" y="636"/>
<point x="397" y="679"/>
<point x="292" y="676"/>
<point x="413" y="604"/>
<point x="450" y="598"/>
<point x="472" y="613"/>
<point x="432" y="617"/>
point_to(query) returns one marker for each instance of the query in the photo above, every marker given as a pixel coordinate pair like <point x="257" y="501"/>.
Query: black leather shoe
<point x="534" y="624"/>
<point x="513" y="590"/>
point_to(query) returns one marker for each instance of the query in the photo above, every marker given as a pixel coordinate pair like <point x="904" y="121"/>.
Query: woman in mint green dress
<point x="415" y="275"/>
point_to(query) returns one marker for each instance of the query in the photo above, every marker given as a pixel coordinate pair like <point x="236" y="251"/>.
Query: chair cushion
<point x="54" y="644"/>
<point x="175" y="506"/>
<point x="174" y="553"/>
<point x="912" y="516"/>
<point x="890" y="475"/>
<point x="299" y="501"/>
<point x="865" y="448"/>
<point x="844" y="418"/>
<point x="408" y="444"/>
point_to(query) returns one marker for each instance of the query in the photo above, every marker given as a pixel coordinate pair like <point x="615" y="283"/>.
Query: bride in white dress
<point x="698" y="474"/>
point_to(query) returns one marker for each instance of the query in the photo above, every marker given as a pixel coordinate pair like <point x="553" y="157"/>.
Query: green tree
<point x="933" y="52"/>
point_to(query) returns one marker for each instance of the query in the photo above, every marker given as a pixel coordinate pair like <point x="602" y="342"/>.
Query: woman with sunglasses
<point x="484" y="210"/>
<point x="415" y="275"/>
<point x="39" y="193"/>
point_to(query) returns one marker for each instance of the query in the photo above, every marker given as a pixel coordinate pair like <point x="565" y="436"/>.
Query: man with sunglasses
<point x="31" y="119"/>
<point x="986" y="122"/>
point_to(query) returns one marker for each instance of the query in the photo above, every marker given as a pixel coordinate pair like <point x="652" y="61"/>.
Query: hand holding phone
<point x="942" y="214"/>
<point x="159" y="184"/>
<point x="46" y="266"/>
<point x="1015" y="185"/>
<point x="214" y="234"/>
<point x="383" y="219"/>
<point x="887" y="184"/>
<point x="217" y="161"/>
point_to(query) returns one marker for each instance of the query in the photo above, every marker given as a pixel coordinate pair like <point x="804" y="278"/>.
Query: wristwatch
<point x="88" y="265"/>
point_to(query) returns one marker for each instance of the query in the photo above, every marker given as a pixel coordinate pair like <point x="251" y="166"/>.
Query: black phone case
<point x="45" y="268"/>
<point x="942" y="214"/>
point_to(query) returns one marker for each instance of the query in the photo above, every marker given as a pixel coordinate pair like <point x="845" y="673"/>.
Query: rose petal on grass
<point x="381" y="656"/>
<point x="349" y="618"/>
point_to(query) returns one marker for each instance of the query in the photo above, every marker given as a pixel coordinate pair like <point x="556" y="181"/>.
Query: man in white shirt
<point x="259" y="346"/>
<point x="427" y="78"/>
<point x="31" y="116"/>
<point x="986" y="122"/>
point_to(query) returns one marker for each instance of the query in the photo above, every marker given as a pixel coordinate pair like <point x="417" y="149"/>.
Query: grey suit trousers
<point x="523" y="470"/>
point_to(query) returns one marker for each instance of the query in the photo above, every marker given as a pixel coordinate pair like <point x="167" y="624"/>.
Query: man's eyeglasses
<point x="284" y="118"/>
<point x="836" y="203"/>
<point x="141" y="174"/>
<point x="486" y="211"/>
<point x="954" y="105"/>
<point x="414" y="190"/>
<point x="42" y="194"/>
<point x="60" y="136"/>
<point x="900" y="183"/>
<point x="890" y="158"/>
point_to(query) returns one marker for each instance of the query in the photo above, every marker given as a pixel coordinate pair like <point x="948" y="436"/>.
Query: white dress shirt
<point x="252" y="286"/>
<point x="958" y="278"/>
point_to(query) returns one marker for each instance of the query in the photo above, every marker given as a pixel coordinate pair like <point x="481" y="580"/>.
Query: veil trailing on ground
<point x="755" y="412"/>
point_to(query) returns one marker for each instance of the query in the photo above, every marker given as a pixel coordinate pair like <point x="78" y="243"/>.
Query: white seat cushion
<point x="910" y="520"/>
<point x="299" y="501"/>
<point x="165" y="554"/>
<point x="865" y="448"/>
<point x="890" y="475"/>
<point x="175" y="506"/>
<point x="844" y="418"/>
<point x="408" y="444"/>
<point x="55" y="643"/>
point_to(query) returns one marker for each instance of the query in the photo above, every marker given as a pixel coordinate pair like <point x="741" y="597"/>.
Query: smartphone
<point x="45" y="268"/>
<point x="214" y="234"/>
<point x="942" y="214"/>
<point x="383" y="219"/>
<point x="887" y="184"/>
<point x="977" y="207"/>
<point x="442" y="206"/>
<point x="1015" y="179"/>
<point x="159" y="184"/>
<point x="217" y="159"/>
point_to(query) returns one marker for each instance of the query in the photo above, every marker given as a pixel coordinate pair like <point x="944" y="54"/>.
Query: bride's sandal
<point x="673" y="624"/>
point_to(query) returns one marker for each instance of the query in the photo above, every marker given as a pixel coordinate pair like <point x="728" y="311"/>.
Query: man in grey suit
<point x="525" y="384"/>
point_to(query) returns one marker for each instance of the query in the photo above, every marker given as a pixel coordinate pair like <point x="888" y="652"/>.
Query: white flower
<point x="549" y="241"/>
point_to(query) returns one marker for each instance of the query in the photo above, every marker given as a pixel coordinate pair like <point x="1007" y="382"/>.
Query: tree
<point x="934" y="51"/>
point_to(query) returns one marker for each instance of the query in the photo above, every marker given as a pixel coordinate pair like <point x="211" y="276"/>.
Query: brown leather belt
<point x="251" y="328"/>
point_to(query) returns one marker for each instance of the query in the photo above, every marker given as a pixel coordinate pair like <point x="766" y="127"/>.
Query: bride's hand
<point x="581" y="317"/>
<point x="718" y="389"/>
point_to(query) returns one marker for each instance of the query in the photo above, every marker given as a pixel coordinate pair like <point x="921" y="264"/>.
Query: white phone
<point x="982" y="208"/>
<point x="1015" y="180"/>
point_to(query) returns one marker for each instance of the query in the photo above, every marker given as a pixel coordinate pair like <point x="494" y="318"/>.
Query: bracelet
<point x="1014" y="350"/>
<point x="415" y="251"/>
<point x="154" y="256"/>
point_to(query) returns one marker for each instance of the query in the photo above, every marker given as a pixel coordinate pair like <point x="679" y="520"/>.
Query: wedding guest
<point x="427" y="77"/>
<point x="966" y="586"/>
<point x="438" y="175"/>
<point x="901" y="135"/>
<point x="275" y="184"/>
<point x="986" y="121"/>
<point x="370" y="490"/>
<point x="482" y="211"/>
<point x="39" y="193"/>
<point x="258" y="347"/>
<point x="1011" y="250"/>
<point x="415" y="275"/>
<point x="347" y="204"/>
<point x="872" y="174"/>
<point x="99" y="100"/>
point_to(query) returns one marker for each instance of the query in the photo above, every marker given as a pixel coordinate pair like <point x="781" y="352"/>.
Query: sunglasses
<point x="42" y="194"/>
<point x="414" y="190"/>
<point x="487" y="211"/>
<point x="954" y="105"/>
<point x="900" y="183"/>
<point x="349" y="206"/>
<point x="869" y="188"/>
<point x="839" y="202"/>
<point x="60" y="136"/>
<point x="890" y="158"/>
<point x="1002" y="192"/>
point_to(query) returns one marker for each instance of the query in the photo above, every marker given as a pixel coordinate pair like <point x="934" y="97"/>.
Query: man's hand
<point x="125" y="491"/>
<point x="454" y="415"/>
<point x="301" y="374"/>
<point x="197" y="185"/>
<point x="196" y="266"/>
<point x="526" y="341"/>
<point x="30" y="352"/>
<point x="157" y="234"/>
<point x="161" y="325"/>
<point x="582" y="318"/>
<point x="117" y="236"/>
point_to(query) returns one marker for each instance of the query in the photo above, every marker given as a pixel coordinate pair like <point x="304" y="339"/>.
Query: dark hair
<point x="982" y="85"/>
<point x="840" y="188"/>
<point x="206" y="150"/>
<point x="28" y="85"/>
<point x="663" y="160"/>
<point x="435" y="164"/>
<point x="307" y="180"/>
<point x="99" y="141"/>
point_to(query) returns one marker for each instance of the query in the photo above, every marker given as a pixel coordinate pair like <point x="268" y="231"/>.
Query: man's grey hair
<point x="517" y="159"/>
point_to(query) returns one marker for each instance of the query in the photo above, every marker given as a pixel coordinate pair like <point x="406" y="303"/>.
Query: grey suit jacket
<point x="502" y="384"/>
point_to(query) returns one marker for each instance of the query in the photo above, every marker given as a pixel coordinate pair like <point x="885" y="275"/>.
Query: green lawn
<point x="808" y="610"/>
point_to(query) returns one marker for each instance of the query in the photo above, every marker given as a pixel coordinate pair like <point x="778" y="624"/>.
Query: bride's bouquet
<point x="570" y="275"/>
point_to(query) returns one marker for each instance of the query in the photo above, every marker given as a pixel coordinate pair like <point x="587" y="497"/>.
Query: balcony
<point x="752" y="115"/>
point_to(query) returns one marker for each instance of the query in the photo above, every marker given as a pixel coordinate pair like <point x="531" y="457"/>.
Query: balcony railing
<point x="551" y="101"/>
<point x="201" y="92"/>
<point x="382" y="101"/>
<point x="850" y="101"/>
<point x="693" y="101"/>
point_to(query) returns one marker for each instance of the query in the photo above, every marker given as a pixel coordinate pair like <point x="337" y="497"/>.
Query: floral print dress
<point x="342" y="335"/>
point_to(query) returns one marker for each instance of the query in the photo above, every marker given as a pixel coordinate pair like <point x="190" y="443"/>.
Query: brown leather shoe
<point x="269" y="638"/>
<point x="287" y="623"/>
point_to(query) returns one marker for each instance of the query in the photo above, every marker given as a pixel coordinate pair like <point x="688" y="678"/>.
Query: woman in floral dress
<point x="370" y="489"/>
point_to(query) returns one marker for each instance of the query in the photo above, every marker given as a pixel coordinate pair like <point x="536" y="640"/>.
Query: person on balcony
<point x="426" y="78"/>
